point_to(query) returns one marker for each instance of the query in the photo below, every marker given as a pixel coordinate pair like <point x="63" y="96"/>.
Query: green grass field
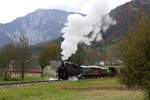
<point x="98" y="89"/>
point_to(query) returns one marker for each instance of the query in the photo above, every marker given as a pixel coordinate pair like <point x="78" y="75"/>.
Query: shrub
<point x="135" y="54"/>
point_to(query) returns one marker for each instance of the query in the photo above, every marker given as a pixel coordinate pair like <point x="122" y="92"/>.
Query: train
<point x="67" y="70"/>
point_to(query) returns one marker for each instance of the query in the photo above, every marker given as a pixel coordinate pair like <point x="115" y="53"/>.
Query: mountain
<point x="4" y="39"/>
<point x="41" y="25"/>
<point x="126" y="16"/>
<point x="46" y="24"/>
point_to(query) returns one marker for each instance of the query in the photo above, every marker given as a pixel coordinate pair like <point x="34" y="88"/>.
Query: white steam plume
<point x="79" y="27"/>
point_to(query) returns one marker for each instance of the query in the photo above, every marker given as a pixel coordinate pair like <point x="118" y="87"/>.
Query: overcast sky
<point x="11" y="9"/>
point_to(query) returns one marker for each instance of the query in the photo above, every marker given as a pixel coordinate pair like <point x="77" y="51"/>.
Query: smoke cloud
<point x="85" y="29"/>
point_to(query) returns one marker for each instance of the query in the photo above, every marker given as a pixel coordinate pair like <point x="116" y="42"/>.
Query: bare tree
<point x="23" y="54"/>
<point x="7" y="54"/>
<point x="51" y="52"/>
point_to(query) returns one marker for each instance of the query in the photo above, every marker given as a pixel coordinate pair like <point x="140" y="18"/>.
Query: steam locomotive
<point x="67" y="70"/>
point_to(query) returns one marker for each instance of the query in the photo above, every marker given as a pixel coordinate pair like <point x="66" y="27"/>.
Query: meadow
<point x="96" y="89"/>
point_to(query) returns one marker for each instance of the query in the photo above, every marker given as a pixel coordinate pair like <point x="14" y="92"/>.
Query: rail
<point x="17" y="84"/>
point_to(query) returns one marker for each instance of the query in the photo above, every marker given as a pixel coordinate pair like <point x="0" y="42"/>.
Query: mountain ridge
<point x="41" y="25"/>
<point x="46" y="24"/>
<point x="127" y="16"/>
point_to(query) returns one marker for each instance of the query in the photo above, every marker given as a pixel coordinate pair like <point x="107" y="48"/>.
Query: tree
<point x="135" y="54"/>
<point x="79" y="56"/>
<point x="91" y="56"/>
<point x="23" y="54"/>
<point x="51" y="52"/>
<point x="19" y="52"/>
<point x="7" y="54"/>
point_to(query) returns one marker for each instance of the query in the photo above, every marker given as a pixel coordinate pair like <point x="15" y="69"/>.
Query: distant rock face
<point x="4" y="40"/>
<point x="126" y="17"/>
<point x="41" y="25"/>
<point x="142" y="1"/>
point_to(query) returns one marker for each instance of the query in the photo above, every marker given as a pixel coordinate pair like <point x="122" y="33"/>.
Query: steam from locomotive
<point x="85" y="28"/>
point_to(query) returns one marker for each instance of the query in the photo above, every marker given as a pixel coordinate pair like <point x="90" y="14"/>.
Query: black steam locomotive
<point x="67" y="70"/>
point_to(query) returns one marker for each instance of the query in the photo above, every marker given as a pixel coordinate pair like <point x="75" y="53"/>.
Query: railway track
<point x="29" y="83"/>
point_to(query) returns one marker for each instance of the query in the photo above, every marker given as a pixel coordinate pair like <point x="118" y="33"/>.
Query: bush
<point x="135" y="54"/>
